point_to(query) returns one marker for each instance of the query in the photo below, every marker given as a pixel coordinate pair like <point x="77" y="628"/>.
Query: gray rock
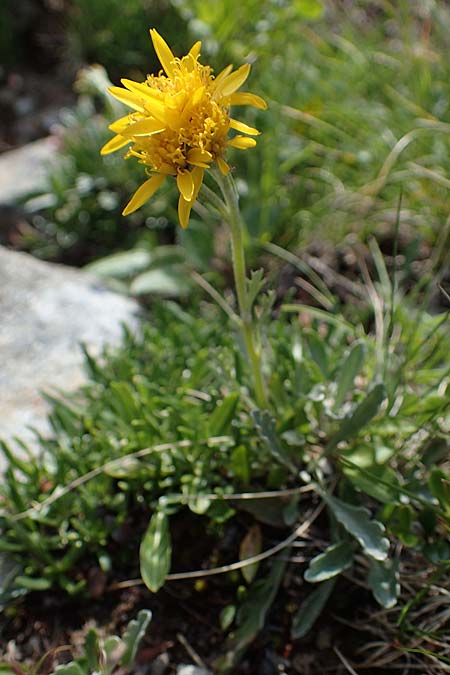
<point x="46" y="311"/>
<point x="192" y="670"/>
<point x="25" y="169"/>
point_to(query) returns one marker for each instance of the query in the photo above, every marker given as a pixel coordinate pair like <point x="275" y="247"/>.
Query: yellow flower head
<point x="180" y="123"/>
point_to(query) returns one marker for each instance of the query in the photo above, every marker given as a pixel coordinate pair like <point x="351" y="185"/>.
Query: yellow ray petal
<point x="141" y="88"/>
<point x="156" y="109"/>
<point x="163" y="52"/>
<point x="128" y="97"/>
<point x="198" y="94"/>
<point x="184" y="207"/>
<point x="224" y="167"/>
<point x="240" y="126"/>
<point x="184" y="211"/>
<point x="197" y="176"/>
<point x="143" y="193"/>
<point x="232" y="82"/>
<point x="195" y="49"/>
<point x="114" y="144"/>
<point x="245" y="98"/>
<point x="185" y="185"/>
<point x="242" y="142"/>
<point x="199" y="157"/>
<point x="222" y="75"/>
<point x="146" y="127"/>
<point x="120" y="124"/>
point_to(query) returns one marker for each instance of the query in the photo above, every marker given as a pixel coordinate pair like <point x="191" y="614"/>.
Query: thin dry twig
<point x="344" y="662"/>
<point x="191" y="651"/>
<point x="240" y="496"/>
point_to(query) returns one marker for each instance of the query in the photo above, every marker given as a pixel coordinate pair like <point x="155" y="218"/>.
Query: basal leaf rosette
<point x="180" y="123"/>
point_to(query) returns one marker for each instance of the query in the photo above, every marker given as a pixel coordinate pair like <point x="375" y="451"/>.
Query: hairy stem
<point x="252" y="345"/>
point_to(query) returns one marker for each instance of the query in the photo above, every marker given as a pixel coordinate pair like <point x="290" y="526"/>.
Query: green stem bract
<point x="249" y="332"/>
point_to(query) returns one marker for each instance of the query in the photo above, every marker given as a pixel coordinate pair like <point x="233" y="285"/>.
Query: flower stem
<point x="234" y="220"/>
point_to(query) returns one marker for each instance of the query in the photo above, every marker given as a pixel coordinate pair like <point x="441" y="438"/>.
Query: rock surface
<point x="46" y="311"/>
<point x="24" y="170"/>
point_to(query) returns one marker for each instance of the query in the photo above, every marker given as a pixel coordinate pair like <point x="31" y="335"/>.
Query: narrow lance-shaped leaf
<point x="156" y="552"/>
<point x="265" y="425"/>
<point x="72" y="668"/>
<point x="379" y="482"/>
<point x="335" y="559"/>
<point x="251" y="616"/>
<point x="250" y="546"/>
<point x="360" y="417"/>
<point x="348" y="371"/>
<point x="383" y="580"/>
<point x="311" y="609"/>
<point x="91" y="649"/>
<point x="121" y="265"/>
<point x="357" y="521"/>
<point x="164" y="281"/>
<point x="254" y="285"/>
<point x="222" y="416"/>
<point x="439" y="484"/>
<point x="134" y="633"/>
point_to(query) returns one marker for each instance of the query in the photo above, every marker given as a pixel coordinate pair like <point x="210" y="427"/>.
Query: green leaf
<point x="360" y="417"/>
<point x="227" y="616"/>
<point x="91" y="649"/>
<point x="6" y="669"/>
<point x="348" y="371"/>
<point x="334" y="560"/>
<point x="13" y="459"/>
<point x="155" y="552"/>
<point x="32" y="584"/>
<point x="167" y="256"/>
<point x="379" y="482"/>
<point x="134" y="633"/>
<point x="166" y="282"/>
<point x="252" y="613"/>
<point x="121" y="265"/>
<point x="383" y="580"/>
<point x="311" y="609"/>
<point x="220" y="419"/>
<point x="113" y="648"/>
<point x="439" y="484"/>
<point x="265" y="425"/>
<point x="356" y="520"/>
<point x="437" y="551"/>
<point x="72" y="668"/>
<point x="240" y="463"/>
<point x="255" y="285"/>
<point x="251" y="616"/>
<point x="318" y="353"/>
<point x="309" y="9"/>
<point x="251" y="545"/>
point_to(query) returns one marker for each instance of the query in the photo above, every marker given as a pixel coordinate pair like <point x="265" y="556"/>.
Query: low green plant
<point x="104" y="655"/>
<point x="150" y="438"/>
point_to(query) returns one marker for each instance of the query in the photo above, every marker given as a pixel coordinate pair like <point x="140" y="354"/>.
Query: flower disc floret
<point x="180" y="123"/>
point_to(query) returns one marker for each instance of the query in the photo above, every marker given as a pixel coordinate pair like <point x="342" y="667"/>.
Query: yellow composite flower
<point x="180" y="123"/>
